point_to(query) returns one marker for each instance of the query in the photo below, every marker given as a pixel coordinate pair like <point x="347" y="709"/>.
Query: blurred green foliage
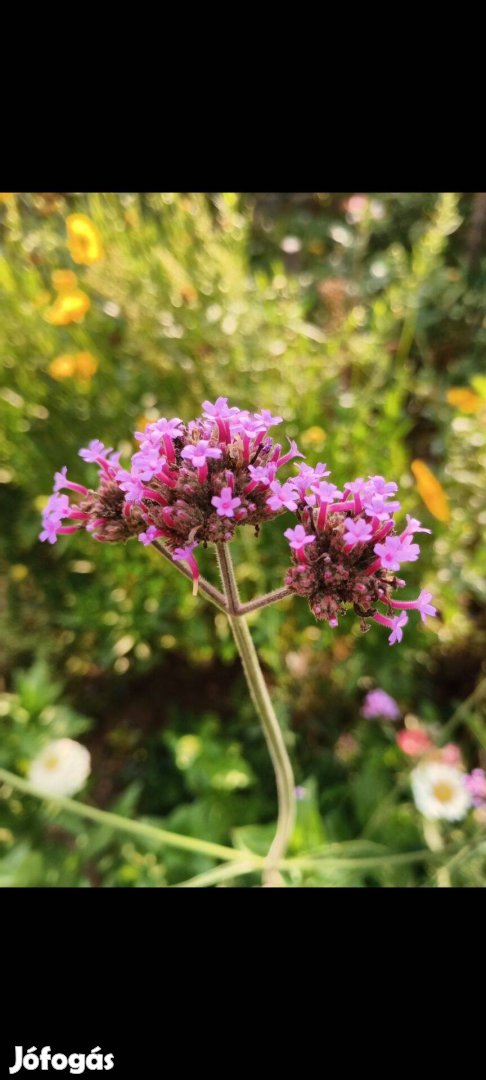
<point x="354" y="318"/>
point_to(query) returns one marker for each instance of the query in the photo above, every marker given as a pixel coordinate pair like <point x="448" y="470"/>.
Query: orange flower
<point x="86" y="365"/>
<point x="430" y="490"/>
<point x="68" y="307"/>
<point x="84" y="239"/>
<point x="64" y="280"/>
<point x="62" y="367"/>
<point x="464" y="399"/>
<point x="81" y="365"/>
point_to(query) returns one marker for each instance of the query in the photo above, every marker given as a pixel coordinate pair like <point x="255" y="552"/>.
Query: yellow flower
<point x="431" y="491"/>
<point x="464" y="399"/>
<point x="7" y="196"/>
<point x="314" y="436"/>
<point x="86" y="365"/>
<point x="84" y="239"/>
<point x="19" y="571"/>
<point x="81" y="365"/>
<point x="62" y="367"/>
<point x="141" y="423"/>
<point x="64" y="280"/>
<point x="68" y="307"/>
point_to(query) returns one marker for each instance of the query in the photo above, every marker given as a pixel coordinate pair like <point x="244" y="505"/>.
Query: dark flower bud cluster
<point x="346" y="550"/>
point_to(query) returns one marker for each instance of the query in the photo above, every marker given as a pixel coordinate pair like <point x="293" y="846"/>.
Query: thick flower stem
<point x="271" y="728"/>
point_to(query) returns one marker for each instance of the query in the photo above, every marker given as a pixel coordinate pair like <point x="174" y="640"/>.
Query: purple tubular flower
<point x="146" y="463"/>
<point x="421" y="604"/>
<point x="261" y="475"/>
<point x="381" y="486"/>
<point x="221" y="413"/>
<point x="356" y="532"/>
<point x="198" y="454"/>
<point x="94" y="451"/>
<point x="61" y="481"/>
<point x="298" y="540"/>
<point x="149" y="535"/>
<point x="185" y="554"/>
<point x="131" y="485"/>
<point x="395" y="625"/>
<point x="265" y="417"/>
<point x="50" y="530"/>
<point x="293" y="452"/>
<point x="395" y="551"/>
<point x="413" y="526"/>
<point x="377" y="506"/>
<point x="398" y="622"/>
<point x="283" y="497"/>
<point x="57" y="508"/>
<point x="378" y="703"/>
<point x="225" y="503"/>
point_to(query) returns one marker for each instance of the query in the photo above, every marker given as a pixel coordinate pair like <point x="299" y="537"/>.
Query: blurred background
<point x="359" y="318"/>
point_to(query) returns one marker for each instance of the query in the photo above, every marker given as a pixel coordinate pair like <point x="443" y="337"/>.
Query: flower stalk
<point x="271" y="728"/>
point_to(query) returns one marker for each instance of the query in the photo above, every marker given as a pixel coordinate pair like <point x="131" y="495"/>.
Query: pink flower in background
<point x="475" y="783"/>
<point x="451" y="754"/>
<point x="414" y="742"/>
<point x="377" y="704"/>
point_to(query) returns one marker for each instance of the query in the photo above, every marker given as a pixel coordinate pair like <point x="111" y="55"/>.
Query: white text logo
<point x="76" y="1063"/>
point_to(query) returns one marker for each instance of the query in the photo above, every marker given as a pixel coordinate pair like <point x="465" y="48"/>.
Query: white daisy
<point x="61" y="768"/>
<point x="439" y="791"/>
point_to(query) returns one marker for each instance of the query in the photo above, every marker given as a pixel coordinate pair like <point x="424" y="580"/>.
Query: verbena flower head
<point x="356" y="551"/>
<point x="378" y="704"/>
<point x="185" y="484"/>
<point x="195" y="483"/>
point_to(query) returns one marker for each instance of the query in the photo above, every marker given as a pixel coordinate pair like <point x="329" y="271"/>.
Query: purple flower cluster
<point x="194" y="484"/>
<point x="346" y="550"/>
<point x="188" y="485"/>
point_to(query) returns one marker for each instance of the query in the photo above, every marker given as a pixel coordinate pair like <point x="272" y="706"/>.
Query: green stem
<point x="264" y="601"/>
<point x="220" y="873"/>
<point x="273" y="735"/>
<point x="136" y="828"/>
